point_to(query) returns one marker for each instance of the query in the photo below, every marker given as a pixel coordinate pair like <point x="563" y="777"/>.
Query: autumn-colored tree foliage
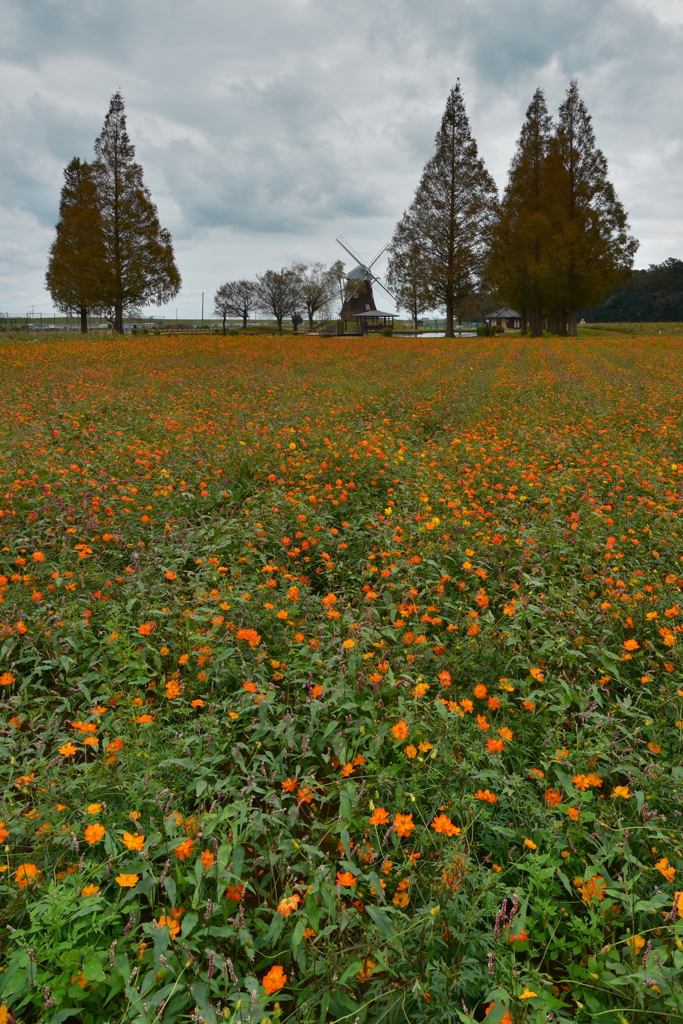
<point x="138" y="251"/>
<point x="341" y="679"/>
<point x="446" y="223"/>
<point x="561" y="238"/>
<point x="77" y="273"/>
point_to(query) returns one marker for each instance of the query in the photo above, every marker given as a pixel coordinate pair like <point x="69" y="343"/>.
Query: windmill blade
<point x="379" y="255"/>
<point x="378" y="281"/>
<point x="347" y="249"/>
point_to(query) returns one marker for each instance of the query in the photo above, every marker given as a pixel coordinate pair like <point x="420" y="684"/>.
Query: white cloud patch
<point x="267" y="128"/>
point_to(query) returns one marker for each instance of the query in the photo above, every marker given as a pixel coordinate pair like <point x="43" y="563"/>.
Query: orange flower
<point x="68" y="750"/>
<point x="665" y="869"/>
<point x="573" y="813"/>
<point x="631" y="645"/>
<point x="90" y="890"/>
<point x="172" y="923"/>
<point x="127" y="881"/>
<point x="250" y="635"/>
<point x="379" y="816"/>
<point x="505" y="1019"/>
<point x="495" y="746"/>
<point x="275" y="979"/>
<point x="250" y="687"/>
<point x="482" y="723"/>
<point x="289" y="904"/>
<point x="94" y="833"/>
<point x="400" y="730"/>
<point x="235" y="893"/>
<point x="529" y="705"/>
<point x="197" y="703"/>
<point x="654" y="747"/>
<point x="144" y="719"/>
<point x="146" y="628"/>
<point x="445" y="678"/>
<point x="621" y="791"/>
<point x="289" y="785"/>
<point x="133" y="841"/>
<point x="484" y="794"/>
<point x="594" y="888"/>
<point x="410" y="751"/>
<point x="530" y="844"/>
<point x="208" y="858"/>
<point x="403" y="824"/>
<point x="346" y="879"/>
<point x="6" y="679"/>
<point x="553" y="797"/>
<point x="316" y="691"/>
<point x="480" y="691"/>
<point x="184" y="849"/>
<point x="443" y="824"/>
<point x="26" y="874"/>
<point x="537" y="674"/>
<point x="348" y="644"/>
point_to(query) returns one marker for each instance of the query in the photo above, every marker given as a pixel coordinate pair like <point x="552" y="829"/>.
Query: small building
<point x="503" y="316"/>
<point x="371" y="320"/>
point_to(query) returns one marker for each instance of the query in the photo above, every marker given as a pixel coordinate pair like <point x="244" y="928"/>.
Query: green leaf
<point x="382" y="920"/>
<point x="352" y="969"/>
<point x="92" y="968"/>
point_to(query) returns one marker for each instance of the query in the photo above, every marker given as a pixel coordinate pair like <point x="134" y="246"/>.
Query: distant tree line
<point x="557" y="240"/>
<point x="110" y="254"/>
<point x="298" y="292"/>
<point x="651" y="295"/>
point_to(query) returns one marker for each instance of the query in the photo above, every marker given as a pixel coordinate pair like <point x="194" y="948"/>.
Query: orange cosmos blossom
<point x="184" y="849"/>
<point x="400" y="731"/>
<point x="379" y="816"/>
<point x="94" y="833"/>
<point x="127" y="881"/>
<point x="27" y="874"/>
<point x="274" y="980"/>
<point x="90" y="890"/>
<point x="484" y="794"/>
<point x="553" y="797"/>
<point x="68" y="750"/>
<point x="346" y="879"/>
<point x="235" y="893"/>
<point x="537" y="674"/>
<point x="144" y="719"/>
<point x="133" y="841"/>
<point x="146" y="628"/>
<point x="443" y="824"/>
<point x="207" y="858"/>
<point x="288" y="904"/>
<point x="6" y="679"/>
<point x="403" y="824"/>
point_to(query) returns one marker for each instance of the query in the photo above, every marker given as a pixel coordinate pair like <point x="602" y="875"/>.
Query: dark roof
<point x="502" y="311"/>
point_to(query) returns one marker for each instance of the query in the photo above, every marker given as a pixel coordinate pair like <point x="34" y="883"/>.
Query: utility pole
<point x="202" y="307"/>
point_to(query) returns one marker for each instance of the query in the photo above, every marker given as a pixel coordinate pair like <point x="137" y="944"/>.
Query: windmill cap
<point x="359" y="273"/>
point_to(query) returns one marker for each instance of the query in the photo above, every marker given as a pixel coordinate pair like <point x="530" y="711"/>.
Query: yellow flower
<point x="127" y="881"/>
<point x="636" y="942"/>
<point x="94" y="808"/>
<point x="90" y="890"/>
<point x="621" y="791"/>
<point x="349" y="643"/>
<point x="528" y="994"/>
<point x="531" y="844"/>
<point x="133" y="842"/>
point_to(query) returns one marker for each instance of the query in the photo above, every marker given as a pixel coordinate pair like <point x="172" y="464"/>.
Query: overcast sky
<point x="267" y="127"/>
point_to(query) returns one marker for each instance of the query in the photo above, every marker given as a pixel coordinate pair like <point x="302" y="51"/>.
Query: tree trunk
<point x="245" y="314"/>
<point x="562" y="325"/>
<point x="224" y="317"/>
<point x="572" y="329"/>
<point x="84" y="320"/>
<point x="449" y="333"/>
<point x="524" y="323"/>
<point x="536" y="323"/>
<point x="279" y="323"/>
<point x="118" y="318"/>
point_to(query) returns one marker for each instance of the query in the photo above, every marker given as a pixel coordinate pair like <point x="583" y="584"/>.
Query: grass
<point x="341" y="681"/>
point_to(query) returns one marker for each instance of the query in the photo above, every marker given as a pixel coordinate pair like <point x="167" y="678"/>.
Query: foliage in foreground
<point x="341" y="681"/>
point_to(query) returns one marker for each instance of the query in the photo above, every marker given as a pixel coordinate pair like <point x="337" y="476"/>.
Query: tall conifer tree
<point x="76" y="273"/>
<point x="138" y="251"/>
<point x="518" y="263"/>
<point x="447" y="220"/>
<point x="591" y="249"/>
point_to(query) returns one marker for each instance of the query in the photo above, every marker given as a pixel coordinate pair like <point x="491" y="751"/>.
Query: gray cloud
<point x="266" y="128"/>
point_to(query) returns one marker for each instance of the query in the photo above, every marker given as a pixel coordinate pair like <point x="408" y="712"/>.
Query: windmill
<point x="358" y="295"/>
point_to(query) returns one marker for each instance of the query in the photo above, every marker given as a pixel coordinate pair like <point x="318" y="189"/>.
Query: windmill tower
<point x="358" y="295"/>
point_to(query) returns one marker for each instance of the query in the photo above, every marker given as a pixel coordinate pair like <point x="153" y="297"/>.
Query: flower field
<point x="340" y="680"/>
